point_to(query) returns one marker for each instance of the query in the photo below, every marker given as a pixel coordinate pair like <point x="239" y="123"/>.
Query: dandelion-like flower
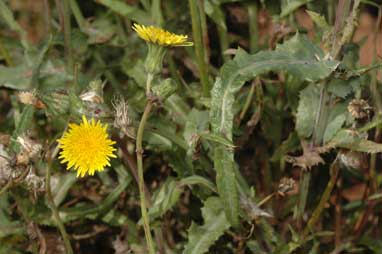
<point x="160" y="36"/>
<point x="86" y="147"/>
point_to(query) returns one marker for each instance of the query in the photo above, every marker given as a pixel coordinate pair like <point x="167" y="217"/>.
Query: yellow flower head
<point x="161" y="37"/>
<point x="86" y="147"/>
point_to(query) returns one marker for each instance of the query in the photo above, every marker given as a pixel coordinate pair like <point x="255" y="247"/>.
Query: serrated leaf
<point x="307" y="110"/>
<point x="195" y="179"/>
<point x="298" y="56"/>
<point x="318" y="19"/>
<point x="352" y="140"/>
<point x="226" y="183"/>
<point x="333" y="127"/>
<point x="201" y="238"/>
<point x="165" y="198"/>
<point x="341" y="88"/>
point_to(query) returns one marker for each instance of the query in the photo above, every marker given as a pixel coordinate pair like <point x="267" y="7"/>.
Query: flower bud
<point x="165" y="89"/>
<point x="154" y="59"/>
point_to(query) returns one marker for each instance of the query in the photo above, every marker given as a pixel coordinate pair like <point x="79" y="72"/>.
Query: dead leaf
<point x="310" y="157"/>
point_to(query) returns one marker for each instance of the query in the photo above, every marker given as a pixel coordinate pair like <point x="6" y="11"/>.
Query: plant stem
<point x="203" y="26"/>
<point x="253" y="28"/>
<point x="197" y="35"/>
<point x="54" y="209"/>
<point x="67" y="36"/>
<point x="334" y="168"/>
<point x="149" y="80"/>
<point x="141" y="183"/>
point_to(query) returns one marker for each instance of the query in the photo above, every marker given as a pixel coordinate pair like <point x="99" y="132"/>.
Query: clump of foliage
<point x="253" y="134"/>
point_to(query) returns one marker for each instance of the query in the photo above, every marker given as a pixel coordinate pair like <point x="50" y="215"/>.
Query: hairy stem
<point x="141" y="182"/>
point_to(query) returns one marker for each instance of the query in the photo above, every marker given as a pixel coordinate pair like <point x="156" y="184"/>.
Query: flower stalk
<point x="54" y="209"/>
<point x="141" y="182"/>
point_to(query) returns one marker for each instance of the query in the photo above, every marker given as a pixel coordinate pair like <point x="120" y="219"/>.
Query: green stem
<point x="203" y="26"/>
<point x="67" y="36"/>
<point x="324" y="198"/>
<point x="197" y="35"/>
<point x="150" y="78"/>
<point x="141" y="183"/>
<point x="55" y="212"/>
<point x="253" y="27"/>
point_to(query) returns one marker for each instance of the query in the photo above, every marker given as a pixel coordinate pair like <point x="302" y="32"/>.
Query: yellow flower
<point x="161" y="37"/>
<point x="86" y="147"/>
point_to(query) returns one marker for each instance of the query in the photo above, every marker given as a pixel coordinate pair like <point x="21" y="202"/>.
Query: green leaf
<point x="342" y="88"/>
<point x="7" y="15"/>
<point x="200" y="238"/>
<point x="291" y="6"/>
<point x="165" y="198"/>
<point x="64" y="182"/>
<point x="169" y="193"/>
<point x="15" y="77"/>
<point x="298" y="56"/>
<point x="195" y="179"/>
<point x="352" y="140"/>
<point x="129" y="11"/>
<point x="333" y="127"/>
<point x="307" y="110"/>
<point x="215" y="12"/>
<point x="217" y="139"/>
<point x="226" y="183"/>
<point x="318" y="19"/>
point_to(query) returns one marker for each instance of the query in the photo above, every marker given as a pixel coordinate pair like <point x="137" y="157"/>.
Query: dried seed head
<point x="122" y="119"/>
<point x="286" y="184"/>
<point x="34" y="182"/>
<point x="30" y="146"/>
<point x="27" y="97"/>
<point x="30" y="98"/>
<point x="29" y="149"/>
<point x="95" y="92"/>
<point x="359" y="109"/>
